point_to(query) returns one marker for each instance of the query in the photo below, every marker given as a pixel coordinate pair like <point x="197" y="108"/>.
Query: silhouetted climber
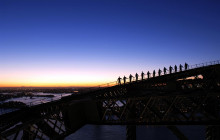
<point x="130" y="78"/>
<point x="142" y="75"/>
<point x="136" y="75"/>
<point x="181" y="67"/>
<point x="159" y="72"/>
<point x="148" y="74"/>
<point x="186" y="66"/>
<point x="124" y="78"/>
<point x="154" y="73"/>
<point x="170" y="69"/>
<point x="119" y="80"/>
<point x="175" y="68"/>
<point x="165" y="70"/>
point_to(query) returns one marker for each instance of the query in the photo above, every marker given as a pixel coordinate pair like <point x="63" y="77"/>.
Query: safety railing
<point x="145" y="76"/>
<point x="89" y="89"/>
<point x="205" y="64"/>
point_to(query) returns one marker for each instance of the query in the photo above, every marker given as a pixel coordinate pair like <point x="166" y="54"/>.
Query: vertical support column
<point x="131" y="129"/>
<point x="212" y="133"/>
<point x="26" y="134"/>
<point x="131" y="132"/>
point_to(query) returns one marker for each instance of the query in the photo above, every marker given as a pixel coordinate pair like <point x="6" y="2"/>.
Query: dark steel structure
<point x="189" y="97"/>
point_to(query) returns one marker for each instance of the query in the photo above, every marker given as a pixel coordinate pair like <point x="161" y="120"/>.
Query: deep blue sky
<point x="104" y="37"/>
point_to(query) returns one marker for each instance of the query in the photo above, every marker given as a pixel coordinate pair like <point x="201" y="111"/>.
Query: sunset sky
<point x="85" y="43"/>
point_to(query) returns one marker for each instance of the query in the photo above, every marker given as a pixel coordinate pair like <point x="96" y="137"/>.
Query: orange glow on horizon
<point x="53" y="81"/>
<point x="85" y="84"/>
<point x="54" y="78"/>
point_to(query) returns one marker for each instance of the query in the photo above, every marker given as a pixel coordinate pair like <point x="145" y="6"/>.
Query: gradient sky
<point x="71" y="43"/>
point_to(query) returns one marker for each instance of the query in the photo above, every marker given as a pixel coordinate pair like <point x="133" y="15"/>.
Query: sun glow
<point x="54" y="79"/>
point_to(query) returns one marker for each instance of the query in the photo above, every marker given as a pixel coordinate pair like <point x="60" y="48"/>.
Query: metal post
<point x="131" y="132"/>
<point x="212" y="133"/>
<point x="131" y="129"/>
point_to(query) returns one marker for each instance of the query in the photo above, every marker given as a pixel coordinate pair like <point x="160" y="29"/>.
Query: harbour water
<point x="116" y="132"/>
<point x="36" y="99"/>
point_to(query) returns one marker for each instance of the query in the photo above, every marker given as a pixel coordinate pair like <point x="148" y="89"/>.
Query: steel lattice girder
<point x="45" y="123"/>
<point x="203" y="109"/>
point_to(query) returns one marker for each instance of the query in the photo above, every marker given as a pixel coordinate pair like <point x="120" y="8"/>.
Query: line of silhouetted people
<point x="186" y="67"/>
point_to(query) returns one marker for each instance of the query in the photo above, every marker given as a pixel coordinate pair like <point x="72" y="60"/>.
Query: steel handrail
<point x="205" y="64"/>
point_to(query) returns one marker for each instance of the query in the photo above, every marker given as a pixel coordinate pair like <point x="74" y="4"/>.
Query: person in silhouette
<point x="165" y="70"/>
<point x="175" y="68"/>
<point x="124" y="78"/>
<point x="119" y="80"/>
<point x="186" y="66"/>
<point x="181" y="67"/>
<point x="159" y="72"/>
<point x="136" y="75"/>
<point x="148" y="74"/>
<point x="142" y="75"/>
<point x="170" y="69"/>
<point x="154" y="73"/>
<point x="130" y="78"/>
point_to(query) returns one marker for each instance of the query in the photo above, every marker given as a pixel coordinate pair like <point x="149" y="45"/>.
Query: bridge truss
<point x="190" y="97"/>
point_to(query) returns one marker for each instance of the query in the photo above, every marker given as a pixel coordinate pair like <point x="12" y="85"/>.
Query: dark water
<point x="108" y="132"/>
